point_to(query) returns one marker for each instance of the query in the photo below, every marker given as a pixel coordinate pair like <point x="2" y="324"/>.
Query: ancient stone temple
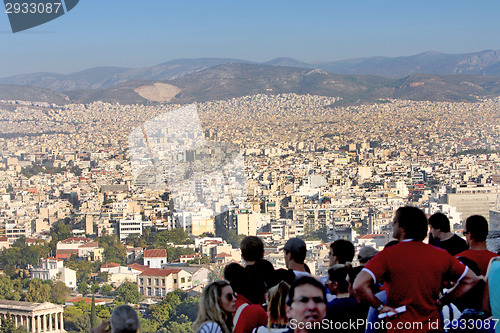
<point x="36" y="317"/>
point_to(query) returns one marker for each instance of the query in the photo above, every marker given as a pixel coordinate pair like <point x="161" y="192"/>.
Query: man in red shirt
<point x="476" y="231"/>
<point x="413" y="273"/>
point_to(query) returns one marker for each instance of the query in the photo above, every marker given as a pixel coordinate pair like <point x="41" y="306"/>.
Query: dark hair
<point x="344" y="250"/>
<point x="440" y="221"/>
<point x="298" y="257"/>
<point x="413" y="221"/>
<point x="477" y="226"/>
<point x="303" y="281"/>
<point x="235" y="274"/>
<point x="252" y="248"/>
<point x="353" y="273"/>
<point x="339" y="274"/>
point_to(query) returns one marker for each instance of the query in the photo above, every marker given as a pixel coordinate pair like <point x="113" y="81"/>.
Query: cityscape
<point x="138" y="153"/>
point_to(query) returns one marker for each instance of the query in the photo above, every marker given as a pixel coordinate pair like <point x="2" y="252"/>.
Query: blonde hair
<point x="210" y="308"/>
<point x="124" y="319"/>
<point x="276" y="304"/>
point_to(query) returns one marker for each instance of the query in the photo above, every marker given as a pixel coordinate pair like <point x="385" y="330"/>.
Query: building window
<point x="183" y="280"/>
<point x="149" y="281"/>
<point x="162" y="282"/>
<point x="175" y="280"/>
<point x="157" y="282"/>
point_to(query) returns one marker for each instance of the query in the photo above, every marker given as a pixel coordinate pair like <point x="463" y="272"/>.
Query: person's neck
<point x="297" y="267"/>
<point x="250" y="263"/>
<point x="445" y="236"/>
<point x="478" y="246"/>
<point x="343" y="295"/>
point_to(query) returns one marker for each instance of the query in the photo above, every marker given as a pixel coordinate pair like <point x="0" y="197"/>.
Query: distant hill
<point x="235" y="80"/>
<point x="106" y="77"/>
<point x="33" y="94"/>
<point x="477" y="63"/>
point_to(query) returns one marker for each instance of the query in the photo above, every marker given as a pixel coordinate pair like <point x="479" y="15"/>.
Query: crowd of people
<point x="448" y="285"/>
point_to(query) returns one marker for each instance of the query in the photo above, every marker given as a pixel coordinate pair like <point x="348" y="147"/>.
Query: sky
<point x="133" y="33"/>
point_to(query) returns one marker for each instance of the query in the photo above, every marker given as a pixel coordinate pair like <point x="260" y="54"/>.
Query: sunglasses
<point x="465" y="232"/>
<point x="230" y="297"/>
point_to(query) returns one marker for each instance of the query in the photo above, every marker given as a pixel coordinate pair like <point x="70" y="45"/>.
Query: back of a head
<point x="124" y="320"/>
<point x="252" y="248"/>
<point x="297" y="248"/>
<point x="344" y="250"/>
<point x="440" y="221"/>
<point x="414" y="222"/>
<point x="236" y="275"/>
<point x="276" y="304"/>
<point x="477" y="226"/>
<point x="339" y="274"/>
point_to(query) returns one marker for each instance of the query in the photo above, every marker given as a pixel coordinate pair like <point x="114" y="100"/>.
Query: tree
<point x="234" y="239"/>
<point x="114" y="250"/>
<point x="8" y="326"/>
<point x="59" y="292"/>
<point x="106" y="289"/>
<point x="128" y="293"/>
<point x="7" y="289"/>
<point x="60" y="230"/>
<point x="93" y="314"/>
<point x="38" y="291"/>
<point x="83" y="287"/>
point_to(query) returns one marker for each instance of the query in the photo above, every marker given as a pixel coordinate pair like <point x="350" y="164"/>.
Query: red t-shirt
<point x="252" y="316"/>
<point x="413" y="273"/>
<point x="480" y="257"/>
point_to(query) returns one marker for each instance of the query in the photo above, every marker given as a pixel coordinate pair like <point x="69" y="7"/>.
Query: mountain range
<point x="427" y="76"/>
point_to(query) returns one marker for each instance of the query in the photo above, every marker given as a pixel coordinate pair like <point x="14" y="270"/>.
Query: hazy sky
<point x="138" y="33"/>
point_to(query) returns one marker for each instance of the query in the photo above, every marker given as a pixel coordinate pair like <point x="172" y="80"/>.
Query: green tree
<point x="7" y="289"/>
<point x="38" y="291"/>
<point x="233" y="238"/>
<point x="114" y="250"/>
<point x="8" y="326"/>
<point x="148" y="326"/>
<point x="176" y="327"/>
<point x="93" y="313"/>
<point x="60" y="230"/>
<point x="59" y="292"/>
<point x="82" y="324"/>
<point x="174" y="253"/>
<point x="128" y="293"/>
<point x="83" y="287"/>
<point x="106" y="289"/>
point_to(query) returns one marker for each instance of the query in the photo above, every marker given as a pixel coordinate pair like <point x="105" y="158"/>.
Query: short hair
<point x="235" y="274"/>
<point x="124" y="319"/>
<point x="298" y="257"/>
<point x="344" y="250"/>
<point x="309" y="280"/>
<point x="413" y="221"/>
<point x="339" y="275"/>
<point x="440" y="221"/>
<point x="252" y="248"/>
<point x="477" y="226"/>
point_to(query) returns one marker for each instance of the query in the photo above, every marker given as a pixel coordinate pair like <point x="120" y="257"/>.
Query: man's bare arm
<point x="466" y="283"/>
<point x="362" y="288"/>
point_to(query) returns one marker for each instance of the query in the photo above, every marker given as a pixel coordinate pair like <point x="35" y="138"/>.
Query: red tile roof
<point x="138" y="267"/>
<point x="159" y="253"/>
<point x="223" y="255"/>
<point x="110" y="265"/>
<point x="371" y="236"/>
<point x="159" y="272"/>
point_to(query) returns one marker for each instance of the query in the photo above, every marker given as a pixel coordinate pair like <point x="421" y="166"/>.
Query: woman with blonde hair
<point x="217" y="305"/>
<point x="277" y="321"/>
